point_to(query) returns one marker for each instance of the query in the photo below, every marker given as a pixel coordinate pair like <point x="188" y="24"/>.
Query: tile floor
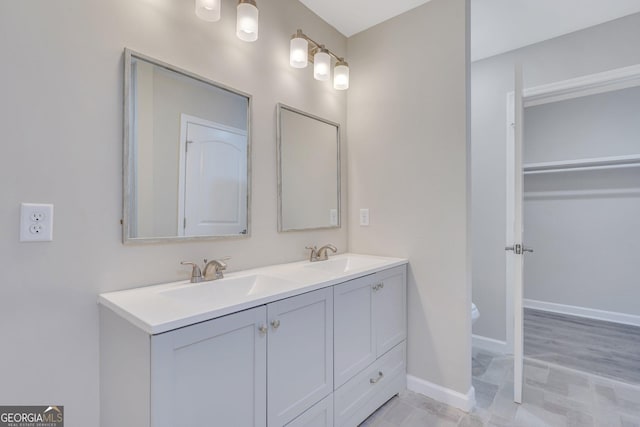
<point x="553" y="396"/>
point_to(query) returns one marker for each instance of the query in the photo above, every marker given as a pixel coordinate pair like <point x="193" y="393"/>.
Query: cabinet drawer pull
<point x="275" y="324"/>
<point x="375" y="380"/>
<point x="263" y="329"/>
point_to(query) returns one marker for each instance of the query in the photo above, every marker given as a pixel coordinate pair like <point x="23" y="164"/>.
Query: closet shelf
<point x="613" y="162"/>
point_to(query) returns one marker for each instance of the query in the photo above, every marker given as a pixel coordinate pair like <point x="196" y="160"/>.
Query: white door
<point x="214" y="196"/>
<point x="515" y="246"/>
<point x="299" y="354"/>
<point x="211" y="373"/>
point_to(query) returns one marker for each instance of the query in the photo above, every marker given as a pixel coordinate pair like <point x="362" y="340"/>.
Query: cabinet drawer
<point x="319" y="415"/>
<point x="367" y="391"/>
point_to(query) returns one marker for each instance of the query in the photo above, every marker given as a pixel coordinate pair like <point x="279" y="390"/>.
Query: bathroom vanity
<point x="300" y="344"/>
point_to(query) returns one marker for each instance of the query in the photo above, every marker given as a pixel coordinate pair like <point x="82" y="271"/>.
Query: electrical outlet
<point x="37" y="216"/>
<point x="36" y="222"/>
<point x="364" y="217"/>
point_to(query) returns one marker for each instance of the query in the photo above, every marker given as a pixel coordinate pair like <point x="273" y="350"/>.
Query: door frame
<point x="592" y="84"/>
<point x="185" y="119"/>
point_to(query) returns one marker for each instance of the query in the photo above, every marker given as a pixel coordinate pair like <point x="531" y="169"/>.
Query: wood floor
<point x="602" y="348"/>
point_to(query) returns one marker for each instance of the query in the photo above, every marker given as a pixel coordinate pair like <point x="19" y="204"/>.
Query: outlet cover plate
<point x="36" y="222"/>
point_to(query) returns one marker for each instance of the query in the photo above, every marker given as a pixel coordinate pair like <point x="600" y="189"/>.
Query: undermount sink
<point x="343" y="264"/>
<point x="226" y="289"/>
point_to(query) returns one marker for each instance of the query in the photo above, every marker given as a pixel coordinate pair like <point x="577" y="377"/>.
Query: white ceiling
<point x="497" y="26"/>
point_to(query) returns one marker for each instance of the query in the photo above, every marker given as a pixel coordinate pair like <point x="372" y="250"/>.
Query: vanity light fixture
<point x="322" y="64"/>
<point x="303" y="49"/>
<point x="247" y="23"/>
<point x="246" y="20"/>
<point x="208" y="10"/>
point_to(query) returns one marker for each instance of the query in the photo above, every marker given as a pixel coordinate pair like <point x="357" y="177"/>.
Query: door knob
<point x="262" y="329"/>
<point x="275" y="324"/>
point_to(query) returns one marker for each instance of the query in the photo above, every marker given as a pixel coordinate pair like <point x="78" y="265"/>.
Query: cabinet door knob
<point x="378" y="286"/>
<point x="275" y="324"/>
<point x="375" y="380"/>
<point x="263" y="329"/>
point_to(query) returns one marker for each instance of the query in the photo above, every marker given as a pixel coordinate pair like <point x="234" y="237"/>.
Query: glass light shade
<point x="247" y="23"/>
<point x="208" y="10"/>
<point x="322" y="66"/>
<point x="299" y="53"/>
<point x="341" y="76"/>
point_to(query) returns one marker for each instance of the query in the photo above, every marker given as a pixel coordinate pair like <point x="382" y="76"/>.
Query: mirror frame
<point x="127" y="180"/>
<point x="281" y="107"/>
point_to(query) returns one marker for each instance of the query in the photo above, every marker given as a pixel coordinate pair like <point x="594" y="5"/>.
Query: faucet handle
<point x="313" y="256"/>
<point x="196" y="273"/>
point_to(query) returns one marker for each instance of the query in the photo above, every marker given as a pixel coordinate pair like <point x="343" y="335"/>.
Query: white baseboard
<point x="590" y="313"/>
<point x="465" y="402"/>
<point x="490" y="344"/>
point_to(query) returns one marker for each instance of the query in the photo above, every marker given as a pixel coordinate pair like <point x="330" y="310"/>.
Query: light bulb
<point x="247" y="21"/>
<point x="341" y="76"/>
<point x="299" y="52"/>
<point x="208" y="10"/>
<point x="322" y="65"/>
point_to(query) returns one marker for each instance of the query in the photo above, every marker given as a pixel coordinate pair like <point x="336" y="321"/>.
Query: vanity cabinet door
<point x="299" y="354"/>
<point x="211" y="373"/>
<point x="354" y="335"/>
<point x="390" y="308"/>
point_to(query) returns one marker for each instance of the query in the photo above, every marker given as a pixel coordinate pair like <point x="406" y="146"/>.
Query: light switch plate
<point x="333" y="216"/>
<point x="364" y="217"/>
<point x="36" y="222"/>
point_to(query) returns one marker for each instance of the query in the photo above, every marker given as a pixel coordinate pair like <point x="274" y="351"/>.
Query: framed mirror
<point x="308" y="171"/>
<point x="187" y="153"/>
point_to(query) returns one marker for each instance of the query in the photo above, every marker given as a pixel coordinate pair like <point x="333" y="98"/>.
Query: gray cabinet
<point x="300" y="354"/>
<point x="211" y="373"/>
<point x="370" y="332"/>
<point x="271" y="365"/>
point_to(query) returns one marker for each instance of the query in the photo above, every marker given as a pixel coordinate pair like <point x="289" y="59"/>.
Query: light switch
<point x="364" y="217"/>
<point x="333" y="216"/>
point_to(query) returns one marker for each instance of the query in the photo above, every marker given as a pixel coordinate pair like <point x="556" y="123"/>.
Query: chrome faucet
<point x="218" y="266"/>
<point x="320" y="254"/>
<point x="198" y="275"/>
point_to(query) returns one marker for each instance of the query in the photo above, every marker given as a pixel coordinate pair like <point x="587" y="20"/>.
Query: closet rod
<point x="582" y="168"/>
<point x="613" y="162"/>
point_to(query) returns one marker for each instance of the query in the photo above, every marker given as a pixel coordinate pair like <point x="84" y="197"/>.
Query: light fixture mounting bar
<point x="314" y="47"/>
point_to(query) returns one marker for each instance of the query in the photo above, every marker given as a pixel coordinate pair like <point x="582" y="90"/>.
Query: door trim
<point x="591" y="84"/>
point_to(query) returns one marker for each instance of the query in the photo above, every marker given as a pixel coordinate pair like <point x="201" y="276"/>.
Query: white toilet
<point x="475" y="313"/>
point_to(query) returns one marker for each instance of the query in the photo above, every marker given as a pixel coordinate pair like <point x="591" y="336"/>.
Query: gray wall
<point x="61" y="121"/>
<point x="407" y="132"/>
<point x="604" y="47"/>
<point x="584" y="224"/>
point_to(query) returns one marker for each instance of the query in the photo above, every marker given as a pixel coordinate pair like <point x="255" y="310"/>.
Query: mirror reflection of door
<point x="213" y="179"/>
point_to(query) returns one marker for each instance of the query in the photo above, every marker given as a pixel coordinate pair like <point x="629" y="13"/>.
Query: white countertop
<point x="161" y="308"/>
